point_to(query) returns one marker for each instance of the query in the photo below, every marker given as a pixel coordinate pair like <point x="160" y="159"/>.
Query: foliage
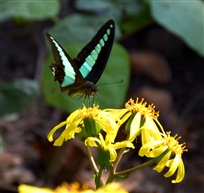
<point x="184" y="19"/>
<point x="28" y="10"/>
<point x="17" y="95"/>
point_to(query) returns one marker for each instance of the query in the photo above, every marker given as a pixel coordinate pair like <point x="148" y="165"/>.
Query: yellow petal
<point x="111" y="188"/>
<point x="50" y="134"/>
<point x="149" y="123"/>
<point x="160" y="166"/>
<point x="59" y="141"/>
<point x="156" y="152"/>
<point x="91" y="141"/>
<point x="113" y="154"/>
<point x="123" y="144"/>
<point x="23" y="188"/>
<point x="173" y="167"/>
<point x="181" y="172"/>
<point x="149" y="135"/>
<point x="145" y="149"/>
<point x="134" y="127"/>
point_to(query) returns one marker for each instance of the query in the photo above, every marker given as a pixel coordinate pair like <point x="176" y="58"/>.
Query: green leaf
<point x="138" y="19"/>
<point x="109" y="96"/>
<point x="78" y="28"/>
<point x="93" y="5"/>
<point x="31" y="10"/>
<point x="17" y="95"/>
<point x="105" y="8"/>
<point x="184" y="19"/>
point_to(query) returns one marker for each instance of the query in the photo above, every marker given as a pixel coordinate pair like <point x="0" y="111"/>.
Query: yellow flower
<point x="141" y="119"/>
<point x="64" y="188"/>
<point x="110" y="188"/>
<point x="72" y="188"/>
<point x="167" y="152"/>
<point x="23" y="188"/>
<point x="107" y="145"/>
<point x="91" y="120"/>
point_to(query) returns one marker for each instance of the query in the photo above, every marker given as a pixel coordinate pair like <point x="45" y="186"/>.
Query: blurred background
<point x="158" y="53"/>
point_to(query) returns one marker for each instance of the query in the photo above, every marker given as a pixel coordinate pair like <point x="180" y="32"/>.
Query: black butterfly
<point x="79" y="75"/>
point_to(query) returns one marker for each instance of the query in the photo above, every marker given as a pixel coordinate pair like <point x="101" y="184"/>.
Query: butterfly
<point x="80" y="75"/>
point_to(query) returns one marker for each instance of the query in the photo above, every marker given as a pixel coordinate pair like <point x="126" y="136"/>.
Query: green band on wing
<point x="108" y="31"/>
<point x="94" y="54"/>
<point x="85" y="69"/>
<point x="101" y="42"/>
<point x="68" y="79"/>
<point x="105" y="37"/>
<point x="90" y="60"/>
<point x="98" y="48"/>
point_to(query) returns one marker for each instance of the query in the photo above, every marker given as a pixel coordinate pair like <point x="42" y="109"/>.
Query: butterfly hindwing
<point x="92" y="59"/>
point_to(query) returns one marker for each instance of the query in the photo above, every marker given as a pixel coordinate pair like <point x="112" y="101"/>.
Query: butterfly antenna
<point x="118" y="82"/>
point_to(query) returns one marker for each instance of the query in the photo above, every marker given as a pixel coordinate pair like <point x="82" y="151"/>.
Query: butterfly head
<point x="93" y="89"/>
<point x="89" y="89"/>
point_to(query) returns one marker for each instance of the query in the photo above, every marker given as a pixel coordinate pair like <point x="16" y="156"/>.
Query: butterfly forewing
<point x="92" y="59"/>
<point x="64" y="70"/>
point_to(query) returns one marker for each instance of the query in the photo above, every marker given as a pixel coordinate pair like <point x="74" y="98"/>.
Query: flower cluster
<point x="72" y="188"/>
<point x="99" y="128"/>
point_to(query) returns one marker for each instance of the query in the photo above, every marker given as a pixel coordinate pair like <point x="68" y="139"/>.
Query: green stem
<point x="98" y="180"/>
<point x="111" y="176"/>
<point x="96" y="171"/>
<point x="128" y="171"/>
<point x="120" y="154"/>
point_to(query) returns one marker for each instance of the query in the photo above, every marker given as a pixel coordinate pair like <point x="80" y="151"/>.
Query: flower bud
<point x="91" y="127"/>
<point x="103" y="157"/>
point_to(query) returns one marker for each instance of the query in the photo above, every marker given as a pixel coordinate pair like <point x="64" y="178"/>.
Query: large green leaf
<point x="138" y="16"/>
<point x="78" y="28"/>
<point x="31" y="10"/>
<point x="93" y="5"/>
<point x="17" y="95"/>
<point x="183" y="18"/>
<point x="109" y="96"/>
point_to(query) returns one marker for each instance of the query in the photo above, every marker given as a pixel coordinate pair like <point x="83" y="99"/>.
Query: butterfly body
<point x="79" y="75"/>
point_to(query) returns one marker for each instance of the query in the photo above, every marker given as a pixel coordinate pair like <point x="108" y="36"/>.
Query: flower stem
<point x="125" y="173"/>
<point x="98" y="180"/>
<point x="96" y="171"/>
<point x="128" y="171"/>
<point x="111" y="176"/>
<point x="120" y="154"/>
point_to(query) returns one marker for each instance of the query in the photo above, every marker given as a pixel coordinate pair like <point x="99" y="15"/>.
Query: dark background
<point x="164" y="70"/>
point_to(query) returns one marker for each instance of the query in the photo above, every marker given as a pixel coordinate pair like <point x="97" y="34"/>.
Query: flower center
<point x="89" y="112"/>
<point x="173" y="143"/>
<point x="141" y="107"/>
